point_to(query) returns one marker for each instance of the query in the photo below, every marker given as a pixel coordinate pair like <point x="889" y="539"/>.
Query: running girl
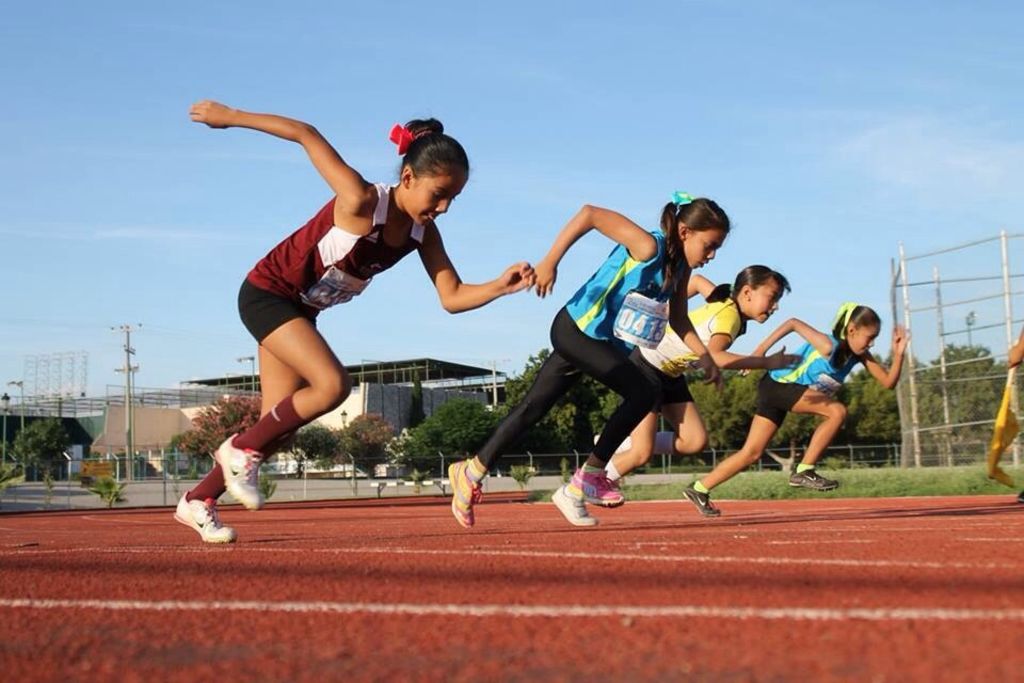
<point x="656" y="263"/>
<point x="808" y="388"/>
<point x="754" y="295"/>
<point x="364" y="229"/>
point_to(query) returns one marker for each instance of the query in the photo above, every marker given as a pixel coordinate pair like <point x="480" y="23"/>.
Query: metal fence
<point x="958" y="304"/>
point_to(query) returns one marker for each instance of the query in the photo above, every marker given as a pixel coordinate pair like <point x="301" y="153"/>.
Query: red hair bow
<point x="401" y="136"/>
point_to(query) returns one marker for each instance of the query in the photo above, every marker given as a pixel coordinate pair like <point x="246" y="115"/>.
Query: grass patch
<point x="874" y="482"/>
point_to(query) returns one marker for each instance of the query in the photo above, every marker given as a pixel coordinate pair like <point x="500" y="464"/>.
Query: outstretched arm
<point x="615" y="226"/>
<point x="720" y="343"/>
<point x="347" y="184"/>
<point x="889" y="378"/>
<point x="822" y="343"/>
<point x="1017" y="351"/>
<point x="699" y="285"/>
<point x="457" y="296"/>
<point x="679" y="320"/>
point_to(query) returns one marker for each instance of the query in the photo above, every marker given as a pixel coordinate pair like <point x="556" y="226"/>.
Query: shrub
<point x="267" y="486"/>
<point x="522" y="475"/>
<point x="109" y="491"/>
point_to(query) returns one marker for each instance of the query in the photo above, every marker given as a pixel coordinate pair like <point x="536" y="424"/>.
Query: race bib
<point x="335" y="287"/>
<point x="826" y="385"/>
<point x="641" y="320"/>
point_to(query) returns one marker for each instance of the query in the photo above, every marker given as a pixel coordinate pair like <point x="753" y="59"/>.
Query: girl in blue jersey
<point x="655" y="263"/>
<point x="809" y="387"/>
<point x="753" y="297"/>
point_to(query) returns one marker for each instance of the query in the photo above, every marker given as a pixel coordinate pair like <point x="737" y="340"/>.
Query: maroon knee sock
<point x="212" y="485"/>
<point x="281" y="419"/>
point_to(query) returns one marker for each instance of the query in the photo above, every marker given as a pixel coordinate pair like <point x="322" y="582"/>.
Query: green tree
<point x="727" y="413"/>
<point x="42" y="442"/>
<point x="316" y="443"/>
<point x="365" y="440"/>
<point x="458" y="427"/>
<point x="9" y="477"/>
<point x="572" y="422"/>
<point x="212" y="425"/>
<point x="873" y="415"/>
<point x="969" y="393"/>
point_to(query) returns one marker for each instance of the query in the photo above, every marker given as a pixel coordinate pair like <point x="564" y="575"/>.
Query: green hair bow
<point x="680" y="198"/>
<point x="843" y="316"/>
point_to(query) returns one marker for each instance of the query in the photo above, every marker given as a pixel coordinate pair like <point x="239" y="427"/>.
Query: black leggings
<point x="576" y="353"/>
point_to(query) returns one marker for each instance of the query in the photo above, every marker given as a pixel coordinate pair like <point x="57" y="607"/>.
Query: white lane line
<point x="540" y="554"/>
<point x="555" y="611"/>
<point x="831" y="541"/>
<point x="710" y="542"/>
<point x="708" y="559"/>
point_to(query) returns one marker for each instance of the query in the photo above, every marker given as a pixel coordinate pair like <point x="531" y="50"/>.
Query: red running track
<point x="914" y="589"/>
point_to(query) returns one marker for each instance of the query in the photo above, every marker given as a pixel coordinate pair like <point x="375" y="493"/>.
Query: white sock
<point x="625" y="445"/>
<point x="611" y="472"/>
<point x="664" y="442"/>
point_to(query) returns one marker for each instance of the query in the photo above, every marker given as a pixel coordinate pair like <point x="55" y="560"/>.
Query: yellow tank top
<point x="673" y="357"/>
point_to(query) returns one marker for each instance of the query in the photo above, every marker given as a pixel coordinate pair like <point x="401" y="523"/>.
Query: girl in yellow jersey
<point x="754" y="295"/>
<point x="809" y="387"/>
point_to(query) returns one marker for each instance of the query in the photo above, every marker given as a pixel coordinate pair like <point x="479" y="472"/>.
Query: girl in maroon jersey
<point x="365" y="229"/>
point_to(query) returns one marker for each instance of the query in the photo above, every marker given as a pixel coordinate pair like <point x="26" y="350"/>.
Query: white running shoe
<point x="573" y="509"/>
<point x="202" y="516"/>
<point x="241" y="473"/>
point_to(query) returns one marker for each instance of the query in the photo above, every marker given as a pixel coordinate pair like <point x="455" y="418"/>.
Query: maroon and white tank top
<point x="320" y="265"/>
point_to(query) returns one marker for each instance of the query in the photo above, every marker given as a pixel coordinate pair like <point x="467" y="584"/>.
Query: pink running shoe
<point x="597" y="489"/>
<point x="466" y="492"/>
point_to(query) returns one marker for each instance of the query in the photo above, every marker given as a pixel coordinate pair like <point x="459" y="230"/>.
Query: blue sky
<point x="829" y="131"/>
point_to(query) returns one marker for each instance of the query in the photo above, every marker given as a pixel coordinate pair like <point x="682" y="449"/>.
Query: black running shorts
<point x="775" y="399"/>
<point x="262" y="312"/>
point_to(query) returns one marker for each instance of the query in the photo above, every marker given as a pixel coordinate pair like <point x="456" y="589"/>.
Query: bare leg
<point x="761" y="432"/>
<point x="691" y="434"/>
<point x="641" y="446"/>
<point x="295" y="358"/>
<point x="834" y="412"/>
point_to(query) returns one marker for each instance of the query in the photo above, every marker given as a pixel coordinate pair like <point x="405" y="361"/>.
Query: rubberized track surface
<point x="881" y="590"/>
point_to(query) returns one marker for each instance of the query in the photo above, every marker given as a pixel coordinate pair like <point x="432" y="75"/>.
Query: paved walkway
<point x="32" y="496"/>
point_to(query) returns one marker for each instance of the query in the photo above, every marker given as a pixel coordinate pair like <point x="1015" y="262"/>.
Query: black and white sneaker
<point x="810" y="479"/>
<point x="1020" y="498"/>
<point x="701" y="501"/>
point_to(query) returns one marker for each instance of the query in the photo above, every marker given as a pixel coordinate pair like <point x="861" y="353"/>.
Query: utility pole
<point x="129" y="412"/>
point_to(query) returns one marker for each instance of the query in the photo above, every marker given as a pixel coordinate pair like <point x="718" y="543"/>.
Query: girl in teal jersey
<point x="655" y="263"/>
<point x="809" y="387"/>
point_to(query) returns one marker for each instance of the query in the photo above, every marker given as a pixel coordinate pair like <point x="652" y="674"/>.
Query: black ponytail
<point x="698" y="215"/>
<point x="431" y="152"/>
<point x="855" y="315"/>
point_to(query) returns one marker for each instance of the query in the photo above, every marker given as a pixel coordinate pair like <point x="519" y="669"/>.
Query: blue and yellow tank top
<point x="816" y="371"/>
<point x="597" y="302"/>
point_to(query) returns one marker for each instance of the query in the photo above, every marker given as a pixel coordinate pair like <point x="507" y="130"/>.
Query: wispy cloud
<point x="87" y="233"/>
<point x="165" y="234"/>
<point x="937" y="156"/>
